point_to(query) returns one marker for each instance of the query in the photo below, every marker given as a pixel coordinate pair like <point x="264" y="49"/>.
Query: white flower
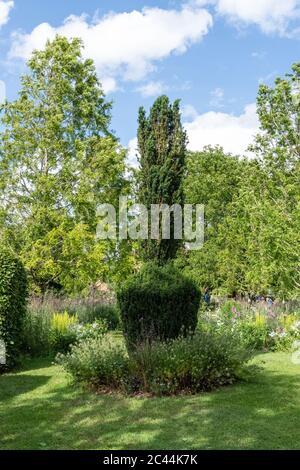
<point x="273" y="334"/>
<point x="283" y="334"/>
<point x="296" y="326"/>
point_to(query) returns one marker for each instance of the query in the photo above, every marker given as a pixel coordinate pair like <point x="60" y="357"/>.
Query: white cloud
<point x="152" y="89"/>
<point x="188" y="112"/>
<point x="217" y="98"/>
<point x="132" y="153"/>
<point x="124" y="45"/>
<point x="233" y="133"/>
<point x="272" y="16"/>
<point x="5" y="7"/>
<point x="109" y="84"/>
<point x="2" y="91"/>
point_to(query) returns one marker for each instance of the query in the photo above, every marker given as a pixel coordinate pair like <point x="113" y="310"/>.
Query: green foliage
<point x="162" y="148"/>
<point x="255" y="335"/>
<point x="212" y="178"/>
<point x="252" y="208"/>
<point x="37" y="334"/>
<point x="157" y="303"/>
<point x="87" y="309"/>
<point x="229" y="308"/>
<point x="278" y="109"/>
<point x="88" y="331"/>
<point x="13" y="298"/>
<point x="62" y="335"/>
<point x="107" y="313"/>
<point x="98" y="362"/>
<point x="260" y="235"/>
<point x="192" y="364"/>
<point x="58" y="162"/>
<point x="46" y="333"/>
<point x="260" y="327"/>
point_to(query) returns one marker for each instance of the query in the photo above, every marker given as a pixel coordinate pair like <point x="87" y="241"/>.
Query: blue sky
<point x="210" y="53"/>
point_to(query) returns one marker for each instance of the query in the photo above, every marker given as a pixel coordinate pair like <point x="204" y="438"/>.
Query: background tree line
<point x="59" y="160"/>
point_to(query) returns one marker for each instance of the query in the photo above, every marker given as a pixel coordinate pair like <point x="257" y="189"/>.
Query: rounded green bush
<point x="158" y="303"/>
<point x="13" y="297"/>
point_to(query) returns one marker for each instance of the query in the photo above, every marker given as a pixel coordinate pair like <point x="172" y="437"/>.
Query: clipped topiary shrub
<point x="13" y="296"/>
<point x="158" y="303"/>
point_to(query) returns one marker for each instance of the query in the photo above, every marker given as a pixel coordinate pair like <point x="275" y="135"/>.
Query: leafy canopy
<point x="58" y="161"/>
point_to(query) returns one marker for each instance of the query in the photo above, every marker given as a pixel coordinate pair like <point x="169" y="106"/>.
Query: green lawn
<point x="41" y="409"/>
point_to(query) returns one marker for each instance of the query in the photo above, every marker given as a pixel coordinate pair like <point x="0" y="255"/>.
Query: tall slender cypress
<point x="162" y="145"/>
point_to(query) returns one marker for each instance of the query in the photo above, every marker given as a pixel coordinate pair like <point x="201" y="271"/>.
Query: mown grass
<point x="41" y="409"/>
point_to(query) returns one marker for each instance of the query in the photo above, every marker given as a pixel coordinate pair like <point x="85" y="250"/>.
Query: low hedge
<point x="13" y="297"/>
<point x="202" y="362"/>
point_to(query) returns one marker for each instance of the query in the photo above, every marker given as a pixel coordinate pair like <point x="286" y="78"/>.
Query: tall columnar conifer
<point x="162" y="147"/>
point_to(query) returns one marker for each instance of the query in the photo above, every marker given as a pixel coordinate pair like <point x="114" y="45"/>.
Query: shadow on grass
<point x="29" y="364"/>
<point x="261" y="414"/>
<point x="11" y="385"/>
